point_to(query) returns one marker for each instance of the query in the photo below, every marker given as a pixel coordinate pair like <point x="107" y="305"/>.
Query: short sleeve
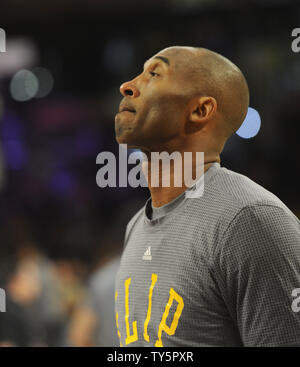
<point x="258" y="267"/>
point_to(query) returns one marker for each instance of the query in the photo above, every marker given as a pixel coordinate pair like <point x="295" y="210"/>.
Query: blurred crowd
<point x="58" y="303"/>
<point x="61" y="236"/>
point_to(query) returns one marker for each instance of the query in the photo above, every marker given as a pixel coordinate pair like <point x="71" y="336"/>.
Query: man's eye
<point x="152" y="73"/>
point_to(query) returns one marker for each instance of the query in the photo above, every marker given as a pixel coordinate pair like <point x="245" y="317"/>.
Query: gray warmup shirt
<point x="219" y="270"/>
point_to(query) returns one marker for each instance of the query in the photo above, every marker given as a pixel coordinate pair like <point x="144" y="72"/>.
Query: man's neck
<point x="161" y="195"/>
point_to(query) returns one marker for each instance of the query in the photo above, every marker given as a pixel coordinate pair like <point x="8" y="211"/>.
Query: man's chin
<point x="126" y="137"/>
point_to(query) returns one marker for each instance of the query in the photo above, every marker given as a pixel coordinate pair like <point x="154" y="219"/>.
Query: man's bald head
<point x="207" y="73"/>
<point x="185" y="98"/>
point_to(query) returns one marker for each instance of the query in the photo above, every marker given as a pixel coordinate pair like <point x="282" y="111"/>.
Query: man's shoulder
<point x="229" y="192"/>
<point x="132" y="222"/>
<point x="135" y="217"/>
<point x="256" y="214"/>
<point x="227" y="196"/>
<point x="242" y="190"/>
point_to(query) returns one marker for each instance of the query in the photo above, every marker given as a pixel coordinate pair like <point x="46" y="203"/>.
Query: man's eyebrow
<point x="164" y="59"/>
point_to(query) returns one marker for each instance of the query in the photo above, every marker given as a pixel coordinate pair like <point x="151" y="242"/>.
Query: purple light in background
<point x="62" y="183"/>
<point x="86" y="144"/>
<point x="15" y="154"/>
<point x="58" y="114"/>
<point x="11" y="127"/>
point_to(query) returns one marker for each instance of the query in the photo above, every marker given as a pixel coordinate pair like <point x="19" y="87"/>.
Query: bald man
<point x="222" y="269"/>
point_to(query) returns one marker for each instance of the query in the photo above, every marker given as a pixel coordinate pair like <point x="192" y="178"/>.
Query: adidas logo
<point x="147" y="254"/>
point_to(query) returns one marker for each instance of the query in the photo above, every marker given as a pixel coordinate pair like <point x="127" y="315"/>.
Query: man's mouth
<point x="128" y="109"/>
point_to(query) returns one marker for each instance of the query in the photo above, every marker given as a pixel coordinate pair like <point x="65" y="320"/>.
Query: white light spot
<point x="24" y="85"/>
<point x="46" y="81"/>
<point x="251" y="125"/>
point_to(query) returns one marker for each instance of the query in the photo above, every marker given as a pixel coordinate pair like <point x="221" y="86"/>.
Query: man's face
<point x="153" y="110"/>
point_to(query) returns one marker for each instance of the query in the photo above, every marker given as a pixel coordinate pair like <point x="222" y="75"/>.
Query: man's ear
<point x="202" y="110"/>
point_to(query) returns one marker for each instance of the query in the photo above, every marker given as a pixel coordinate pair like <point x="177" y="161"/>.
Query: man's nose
<point x="128" y="89"/>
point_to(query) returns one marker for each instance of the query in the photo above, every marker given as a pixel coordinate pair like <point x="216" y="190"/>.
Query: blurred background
<point x="60" y="234"/>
